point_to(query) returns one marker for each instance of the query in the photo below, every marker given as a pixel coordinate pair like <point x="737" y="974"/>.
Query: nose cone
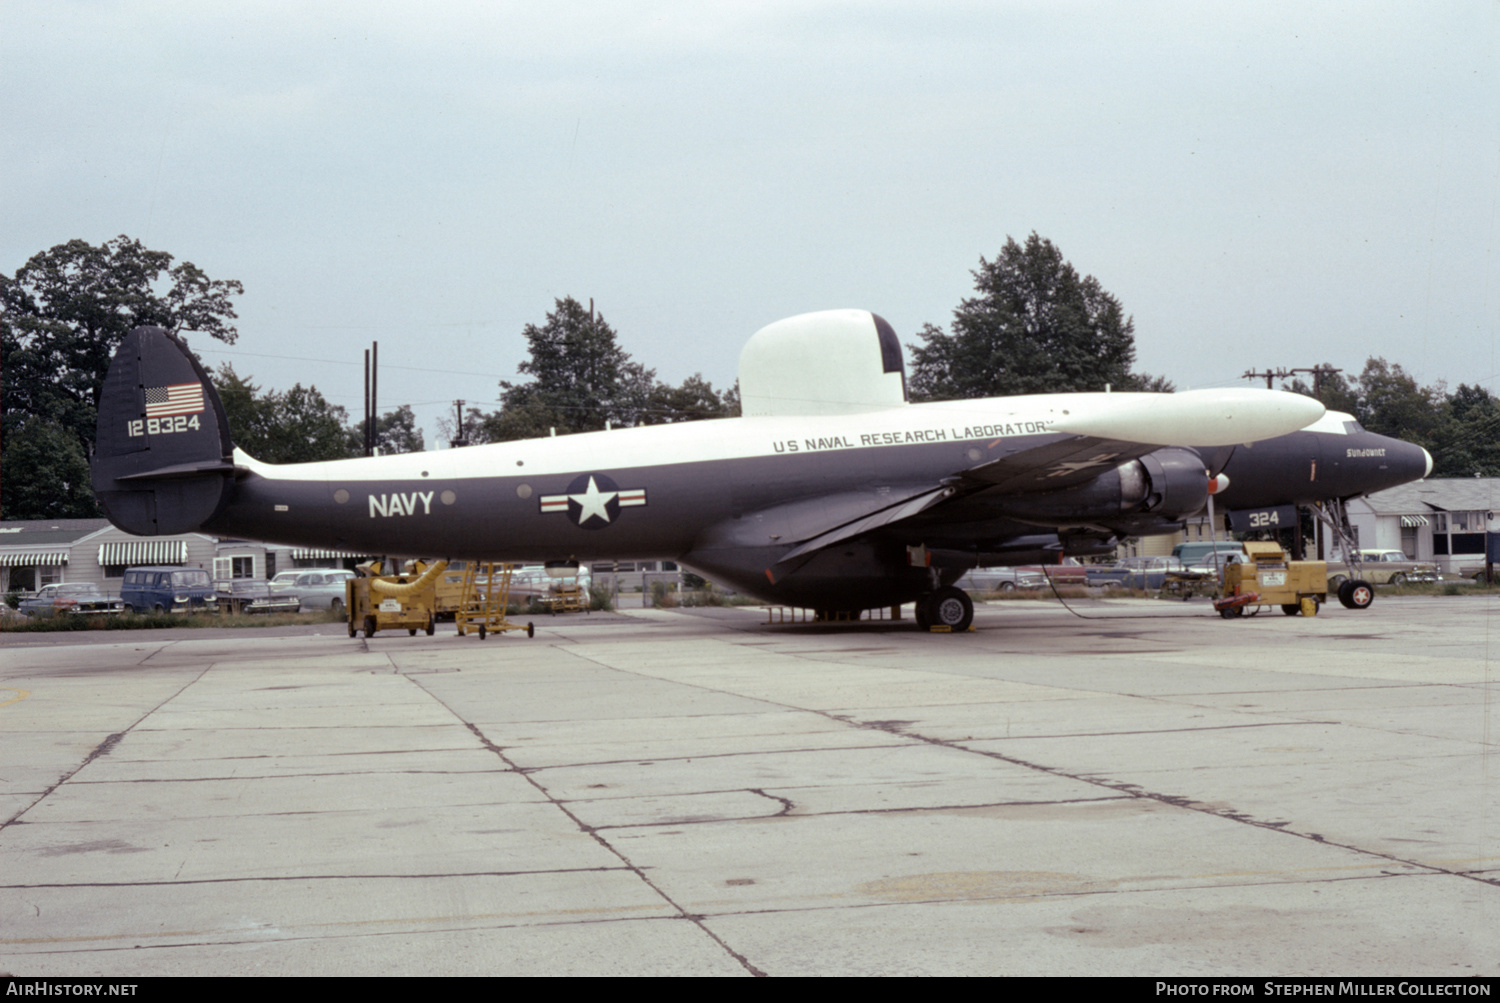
<point x="1394" y="462"/>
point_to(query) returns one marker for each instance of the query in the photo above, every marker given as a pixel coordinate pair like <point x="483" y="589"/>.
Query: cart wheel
<point x="352" y="630"/>
<point x="1227" y="613"/>
<point x="369" y="626"/>
<point x="481" y="632"/>
<point x="1291" y="609"/>
<point x="431" y="627"/>
<point x="530" y="629"/>
<point x="411" y="631"/>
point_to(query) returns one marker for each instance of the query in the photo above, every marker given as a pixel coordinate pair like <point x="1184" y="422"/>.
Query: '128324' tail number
<point x="162" y="426"/>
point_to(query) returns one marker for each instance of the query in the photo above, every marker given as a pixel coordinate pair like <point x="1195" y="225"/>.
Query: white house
<point x="1443" y="520"/>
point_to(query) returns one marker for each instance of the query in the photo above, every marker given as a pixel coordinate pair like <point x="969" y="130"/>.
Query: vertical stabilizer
<point x="162" y="456"/>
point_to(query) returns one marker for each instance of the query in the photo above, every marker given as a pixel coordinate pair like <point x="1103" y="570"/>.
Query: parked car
<point x="317" y="588"/>
<point x="1382" y="567"/>
<point x="1135" y="572"/>
<point x="167" y="589"/>
<point x="71" y="598"/>
<point x="1069" y="571"/>
<point x="1201" y="551"/>
<point x="1212" y="564"/>
<point x="1000" y="580"/>
<point x="252" y="595"/>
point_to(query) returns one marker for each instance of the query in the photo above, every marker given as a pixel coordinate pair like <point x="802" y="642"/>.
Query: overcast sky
<point x="1261" y="184"/>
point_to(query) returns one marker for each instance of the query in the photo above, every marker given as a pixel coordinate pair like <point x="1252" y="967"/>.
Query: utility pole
<point x="372" y="367"/>
<point x="1317" y="372"/>
<point x="1268" y="375"/>
<point x="459" y="438"/>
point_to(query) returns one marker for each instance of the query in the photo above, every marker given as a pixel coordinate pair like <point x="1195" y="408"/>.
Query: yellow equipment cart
<point x="392" y="602"/>
<point x="1269" y="577"/>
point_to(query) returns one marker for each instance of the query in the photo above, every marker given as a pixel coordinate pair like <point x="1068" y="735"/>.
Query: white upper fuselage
<point x="1193" y="418"/>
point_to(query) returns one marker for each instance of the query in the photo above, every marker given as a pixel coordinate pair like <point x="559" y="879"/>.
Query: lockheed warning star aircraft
<point x="831" y="493"/>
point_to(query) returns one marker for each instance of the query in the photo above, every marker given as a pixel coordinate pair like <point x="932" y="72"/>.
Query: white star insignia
<point x="592" y="502"/>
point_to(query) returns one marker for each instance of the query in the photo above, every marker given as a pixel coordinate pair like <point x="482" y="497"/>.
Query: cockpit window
<point x="1352" y="426"/>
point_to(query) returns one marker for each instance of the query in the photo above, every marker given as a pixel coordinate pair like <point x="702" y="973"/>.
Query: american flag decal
<point x="180" y="398"/>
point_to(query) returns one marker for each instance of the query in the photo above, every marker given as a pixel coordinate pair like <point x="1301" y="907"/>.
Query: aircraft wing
<point x="1098" y="432"/>
<point x="1055" y="465"/>
<point x="1110" y="429"/>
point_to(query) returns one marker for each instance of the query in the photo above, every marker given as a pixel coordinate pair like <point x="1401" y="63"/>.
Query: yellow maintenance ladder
<point x="485" y="598"/>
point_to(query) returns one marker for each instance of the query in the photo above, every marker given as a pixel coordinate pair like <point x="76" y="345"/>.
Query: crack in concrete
<point x="274" y="878"/>
<point x="610" y="848"/>
<point x="1122" y="787"/>
<point x="104" y="747"/>
<point x="786" y="803"/>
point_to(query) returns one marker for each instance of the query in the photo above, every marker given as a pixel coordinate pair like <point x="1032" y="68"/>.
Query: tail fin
<point x="163" y="461"/>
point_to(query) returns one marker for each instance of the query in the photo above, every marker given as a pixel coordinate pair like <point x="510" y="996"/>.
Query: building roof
<point x="36" y="532"/>
<point x="1438" y="494"/>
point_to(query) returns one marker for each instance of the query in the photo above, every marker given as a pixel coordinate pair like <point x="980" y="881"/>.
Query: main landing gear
<point x="947" y="608"/>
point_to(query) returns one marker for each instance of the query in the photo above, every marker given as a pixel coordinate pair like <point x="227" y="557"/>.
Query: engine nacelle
<point x="1178" y="483"/>
<point x="1167" y="484"/>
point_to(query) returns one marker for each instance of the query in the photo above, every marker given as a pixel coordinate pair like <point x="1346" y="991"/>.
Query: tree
<point x="395" y="432"/>
<point x="1391" y="403"/>
<point x="695" y="400"/>
<point x="1034" y="327"/>
<point x="581" y="380"/>
<point x="1467" y="443"/>
<point x="295" y="426"/>
<point x="62" y="315"/>
<point x="46" y="473"/>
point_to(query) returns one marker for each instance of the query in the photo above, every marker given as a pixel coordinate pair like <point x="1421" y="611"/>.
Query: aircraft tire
<point x="949" y="607"/>
<point x="1356" y="594"/>
<point x="1291" y="609"/>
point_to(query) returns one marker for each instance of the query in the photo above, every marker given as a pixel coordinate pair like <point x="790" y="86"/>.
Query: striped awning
<point x="33" y="559"/>
<point x="326" y="555"/>
<point x="143" y="552"/>
<point x="1408" y="521"/>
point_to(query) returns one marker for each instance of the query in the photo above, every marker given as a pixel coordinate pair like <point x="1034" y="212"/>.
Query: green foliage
<point x="581" y="380"/>
<point x="159" y="621"/>
<point x="62" y="315"/>
<point x="695" y="400"/>
<point x="295" y="426"/>
<point x="395" y="432"/>
<point x="600" y="597"/>
<point x="1034" y="326"/>
<point x="46" y="473"/>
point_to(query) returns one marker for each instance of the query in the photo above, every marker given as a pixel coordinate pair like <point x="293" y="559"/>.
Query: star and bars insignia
<point x="179" y="398"/>
<point x="593" y="501"/>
